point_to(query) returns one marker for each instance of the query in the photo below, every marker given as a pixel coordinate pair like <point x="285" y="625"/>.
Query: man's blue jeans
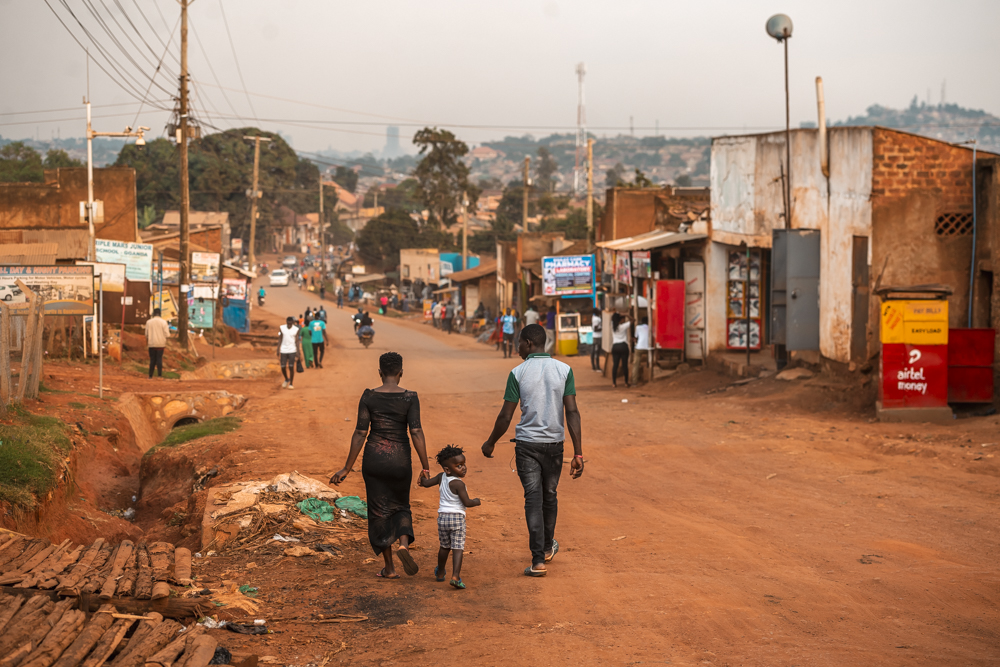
<point x="539" y="466"/>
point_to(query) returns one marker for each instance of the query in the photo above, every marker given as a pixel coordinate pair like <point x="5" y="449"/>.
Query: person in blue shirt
<point x="507" y="323"/>
<point x="318" y="329"/>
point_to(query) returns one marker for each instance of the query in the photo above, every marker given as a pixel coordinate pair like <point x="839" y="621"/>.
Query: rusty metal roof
<point x="27" y="254"/>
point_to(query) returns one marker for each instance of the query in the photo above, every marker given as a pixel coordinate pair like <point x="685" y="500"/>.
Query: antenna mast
<point x="579" y="171"/>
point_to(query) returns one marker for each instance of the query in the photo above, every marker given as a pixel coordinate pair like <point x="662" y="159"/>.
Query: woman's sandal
<point x="457" y="583"/>
<point x="410" y="566"/>
<point x="438" y="574"/>
<point x="382" y="575"/>
<point x="549" y="555"/>
<point x="532" y="572"/>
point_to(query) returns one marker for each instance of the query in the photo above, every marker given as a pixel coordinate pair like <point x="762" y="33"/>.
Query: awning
<point x="369" y="278"/>
<point x="484" y="269"/>
<point x="445" y="290"/>
<point x="651" y="240"/>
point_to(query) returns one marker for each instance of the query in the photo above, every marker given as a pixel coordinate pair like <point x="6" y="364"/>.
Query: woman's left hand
<point x="339" y="476"/>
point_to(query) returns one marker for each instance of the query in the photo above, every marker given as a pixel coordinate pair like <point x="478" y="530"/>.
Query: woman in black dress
<point x="388" y="410"/>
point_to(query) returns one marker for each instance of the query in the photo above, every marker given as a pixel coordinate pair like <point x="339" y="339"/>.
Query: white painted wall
<point x="716" y="278"/>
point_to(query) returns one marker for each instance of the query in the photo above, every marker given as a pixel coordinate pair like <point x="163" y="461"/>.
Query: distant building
<point x="392" y="148"/>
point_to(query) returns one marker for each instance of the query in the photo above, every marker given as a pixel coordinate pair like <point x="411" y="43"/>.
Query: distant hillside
<point x="948" y="122"/>
<point x="105" y="150"/>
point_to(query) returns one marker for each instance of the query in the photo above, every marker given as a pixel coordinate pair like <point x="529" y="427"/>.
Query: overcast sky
<point x="698" y="68"/>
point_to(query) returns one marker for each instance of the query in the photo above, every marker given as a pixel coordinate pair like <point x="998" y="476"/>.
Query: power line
<point x="158" y="65"/>
<point x="237" y="60"/>
<point x="153" y="30"/>
<point x="212" y="69"/>
<point x="92" y="106"/>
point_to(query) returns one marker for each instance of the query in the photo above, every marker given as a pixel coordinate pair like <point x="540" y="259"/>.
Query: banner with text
<point x="572" y="275"/>
<point x="137" y="257"/>
<point x="65" y="290"/>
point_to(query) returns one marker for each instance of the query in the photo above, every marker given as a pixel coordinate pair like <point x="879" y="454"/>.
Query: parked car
<point x="279" y="278"/>
<point x="290" y="261"/>
<point x="11" y="293"/>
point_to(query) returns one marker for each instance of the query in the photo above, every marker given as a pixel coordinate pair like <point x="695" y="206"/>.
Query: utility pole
<point x="255" y="194"/>
<point x="465" y="232"/>
<point x="185" y="258"/>
<point x="322" y="223"/>
<point x="527" y="184"/>
<point x="590" y="195"/>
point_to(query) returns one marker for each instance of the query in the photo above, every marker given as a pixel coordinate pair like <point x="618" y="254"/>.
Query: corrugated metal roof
<point x="651" y="240"/>
<point x="484" y="269"/>
<point x="26" y="254"/>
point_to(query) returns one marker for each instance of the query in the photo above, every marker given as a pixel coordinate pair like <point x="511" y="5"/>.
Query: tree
<point x="147" y="216"/>
<point x="380" y="240"/>
<point x="491" y="183"/>
<point x="442" y="176"/>
<point x="682" y="180"/>
<point x="405" y="196"/>
<point x="614" y="175"/>
<point x="547" y="169"/>
<point x="346" y="178"/>
<point x="57" y="158"/>
<point x="20" y="163"/>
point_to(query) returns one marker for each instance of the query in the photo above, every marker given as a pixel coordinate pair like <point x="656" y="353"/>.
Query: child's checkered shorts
<point x="451" y="531"/>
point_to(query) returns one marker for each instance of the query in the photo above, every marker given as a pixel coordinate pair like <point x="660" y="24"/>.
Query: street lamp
<point x="139" y="141"/>
<point x="779" y="26"/>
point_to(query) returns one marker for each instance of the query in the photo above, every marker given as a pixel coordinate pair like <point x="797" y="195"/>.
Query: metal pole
<point x="972" y="262"/>
<point x="746" y="300"/>
<point x="100" y="339"/>
<point x="91" y="248"/>
<point x="788" y="154"/>
<point x="590" y="195"/>
<point x="465" y="237"/>
<point x="527" y="166"/>
<point x="184" y="280"/>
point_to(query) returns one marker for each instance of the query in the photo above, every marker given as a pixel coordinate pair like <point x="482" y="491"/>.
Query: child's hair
<point x="449" y="452"/>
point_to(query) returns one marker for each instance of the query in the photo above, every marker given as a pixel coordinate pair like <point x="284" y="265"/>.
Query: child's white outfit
<point x="451" y="516"/>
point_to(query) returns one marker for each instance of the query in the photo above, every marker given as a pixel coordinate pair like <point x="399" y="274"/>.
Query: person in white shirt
<point x="288" y="350"/>
<point x="157" y="331"/>
<point x="620" y="328"/>
<point x="530" y="316"/>
<point x="642" y="335"/>
<point x="597" y="323"/>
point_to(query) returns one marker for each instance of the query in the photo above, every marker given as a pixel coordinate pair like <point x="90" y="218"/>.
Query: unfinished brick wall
<point x="919" y="184"/>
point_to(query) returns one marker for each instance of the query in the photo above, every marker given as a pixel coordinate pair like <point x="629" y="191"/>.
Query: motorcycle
<point x="260" y="300"/>
<point x="366" y="335"/>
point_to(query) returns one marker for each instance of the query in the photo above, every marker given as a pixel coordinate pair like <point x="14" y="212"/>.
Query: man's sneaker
<point x="284" y="384"/>
<point x="291" y="387"/>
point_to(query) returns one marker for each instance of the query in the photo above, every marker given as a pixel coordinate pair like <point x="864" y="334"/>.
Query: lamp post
<point x="779" y="27"/>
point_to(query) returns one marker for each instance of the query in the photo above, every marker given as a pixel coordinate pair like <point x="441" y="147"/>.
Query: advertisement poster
<point x="641" y="267"/>
<point x="623" y="272"/>
<point x="572" y="275"/>
<point x="137" y="257"/>
<point x="607" y="263"/>
<point x="165" y="302"/>
<point x="65" y="290"/>
<point x="112" y="275"/>
<point x="201" y="314"/>
<point x="171" y="272"/>
<point x="428" y="304"/>
<point x="205" y="267"/>
<point x="235" y="288"/>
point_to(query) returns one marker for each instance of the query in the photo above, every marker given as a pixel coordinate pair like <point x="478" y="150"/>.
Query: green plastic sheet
<point x="353" y="504"/>
<point x="318" y="510"/>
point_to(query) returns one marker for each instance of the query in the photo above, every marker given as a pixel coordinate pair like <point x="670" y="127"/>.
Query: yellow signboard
<point x="915" y="322"/>
<point x="168" y="308"/>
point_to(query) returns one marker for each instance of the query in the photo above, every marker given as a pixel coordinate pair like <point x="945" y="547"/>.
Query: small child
<point x="451" y="511"/>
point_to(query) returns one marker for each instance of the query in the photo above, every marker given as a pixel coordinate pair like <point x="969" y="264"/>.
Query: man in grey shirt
<point x="449" y="316"/>
<point x="545" y="389"/>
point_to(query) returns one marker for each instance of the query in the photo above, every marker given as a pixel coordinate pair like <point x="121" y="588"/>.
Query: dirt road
<point x="765" y="525"/>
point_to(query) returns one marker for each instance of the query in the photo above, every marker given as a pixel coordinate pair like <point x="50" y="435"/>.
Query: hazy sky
<point x="508" y="65"/>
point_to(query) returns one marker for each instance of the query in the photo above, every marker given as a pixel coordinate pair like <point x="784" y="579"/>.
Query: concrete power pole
<point x="527" y="184"/>
<point x="590" y="195"/>
<point x="255" y="195"/>
<point x="185" y="258"/>
<point x="322" y="225"/>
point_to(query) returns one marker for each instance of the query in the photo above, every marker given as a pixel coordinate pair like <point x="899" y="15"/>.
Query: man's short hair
<point x="289" y="319"/>
<point x="156" y="312"/>
<point x="534" y="334"/>
<point x="390" y="363"/>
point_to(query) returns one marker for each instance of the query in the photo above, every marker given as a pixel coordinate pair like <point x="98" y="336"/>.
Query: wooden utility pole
<point x="322" y="224"/>
<point x="590" y="195"/>
<point x="527" y="184"/>
<point x="185" y="258"/>
<point x="255" y="195"/>
<point x="465" y="232"/>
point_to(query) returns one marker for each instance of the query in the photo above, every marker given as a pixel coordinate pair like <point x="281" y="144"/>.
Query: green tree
<point x="614" y="175"/>
<point x="57" y="158"/>
<point x="346" y="178"/>
<point x="442" y="176"/>
<point x="147" y="216"/>
<point x="682" y="180"/>
<point x="20" y="163"/>
<point x="573" y="224"/>
<point x="546" y="170"/>
<point x="380" y="240"/>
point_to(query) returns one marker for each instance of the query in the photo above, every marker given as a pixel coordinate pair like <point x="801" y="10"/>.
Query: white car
<point x="279" y="278"/>
<point x="290" y="261"/>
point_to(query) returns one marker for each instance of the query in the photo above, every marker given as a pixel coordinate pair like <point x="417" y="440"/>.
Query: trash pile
<point x="290" y="514"/>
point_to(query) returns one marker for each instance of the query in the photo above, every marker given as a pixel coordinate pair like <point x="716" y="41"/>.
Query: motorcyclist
<point x="365" y="326"/>
<point x="260" y="296"/>
<point x="357" y="318"/>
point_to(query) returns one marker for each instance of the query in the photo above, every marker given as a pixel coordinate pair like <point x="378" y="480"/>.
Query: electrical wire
<point x="237" y="60"/>
<point x="153" y="30"/>
<point x="212" y="70"/>
<point x="92" y="106"/>
<point x="158" y="65"/>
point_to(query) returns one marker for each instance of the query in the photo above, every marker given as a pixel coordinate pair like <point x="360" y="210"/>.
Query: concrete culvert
<point x="184" y="421"/>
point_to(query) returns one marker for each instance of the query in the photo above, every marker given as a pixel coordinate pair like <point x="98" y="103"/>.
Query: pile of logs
<point x="124" y="570"/>
<point x="36" y="632"/>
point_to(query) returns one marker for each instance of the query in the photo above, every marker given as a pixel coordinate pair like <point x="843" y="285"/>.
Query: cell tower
<point x="580" y="170"/>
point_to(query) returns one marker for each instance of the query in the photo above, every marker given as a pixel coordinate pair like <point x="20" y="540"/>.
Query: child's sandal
<point x="438" y="574"/>
<point x="457" y="583"/>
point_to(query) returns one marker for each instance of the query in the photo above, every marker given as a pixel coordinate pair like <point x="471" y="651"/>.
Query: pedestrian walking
<point x="550" y="330"/>
<point x="384" y="414"/>
<point x="321" y="313"/>
<point x="546" y="392"/>
<point x="340" y="296"/>
<point x="507" y="322"/>
<point x="620" y="327"/>
<point x="454" y="498"/>
<point x="289" y="350"/>
<point x="531" y="316"/>
<point x="157" y="331"/>
<point x="305" y="339"/>
<point x="597" y="323"/>
<point x="322" y="291"/>
<point x="436" y="314"/>
<point x="449" y="316"/>
<point x="318" y="337"/>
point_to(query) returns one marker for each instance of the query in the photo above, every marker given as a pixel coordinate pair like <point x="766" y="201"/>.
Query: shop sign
<point x="137" y="257"/>
<point x="915" y="322"/>
<point x="571" y="275"/>
<point x="64" y="290"/>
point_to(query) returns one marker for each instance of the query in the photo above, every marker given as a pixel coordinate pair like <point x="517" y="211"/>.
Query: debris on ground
<point x="790" y="374"/>
<point x="353" y="504"/>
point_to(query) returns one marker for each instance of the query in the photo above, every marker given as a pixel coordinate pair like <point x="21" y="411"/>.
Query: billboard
<point x="137" y="257"/>
<point x="171" y="272"/>
<point x="572" y="275"/>
<point x="205" y="267"/>
<point x="112" y="275"/>
<point x="235" y="288"/>
<point x="65" y="290"/>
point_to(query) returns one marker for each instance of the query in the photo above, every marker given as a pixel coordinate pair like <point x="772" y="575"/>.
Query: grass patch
<point x="29" y="452"/>
<point x="170" y="375"/>
<point x="189" y="432"/>
<point x="185" y="364"/>
<point x="42" y="389"/>
<point x="77" y="406"/>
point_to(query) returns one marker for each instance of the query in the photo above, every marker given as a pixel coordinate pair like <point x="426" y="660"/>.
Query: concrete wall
<point x="419" y="259"/>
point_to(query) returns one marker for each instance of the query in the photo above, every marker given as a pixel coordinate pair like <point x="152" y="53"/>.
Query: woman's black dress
<point x="386" y="465"/>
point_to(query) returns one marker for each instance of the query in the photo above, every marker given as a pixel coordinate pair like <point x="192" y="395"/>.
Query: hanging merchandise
<point x="743" y="292"/>
<point x="623" y="271"/>
<point x="607" y="265"/>
<point x="641" y="266"/>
